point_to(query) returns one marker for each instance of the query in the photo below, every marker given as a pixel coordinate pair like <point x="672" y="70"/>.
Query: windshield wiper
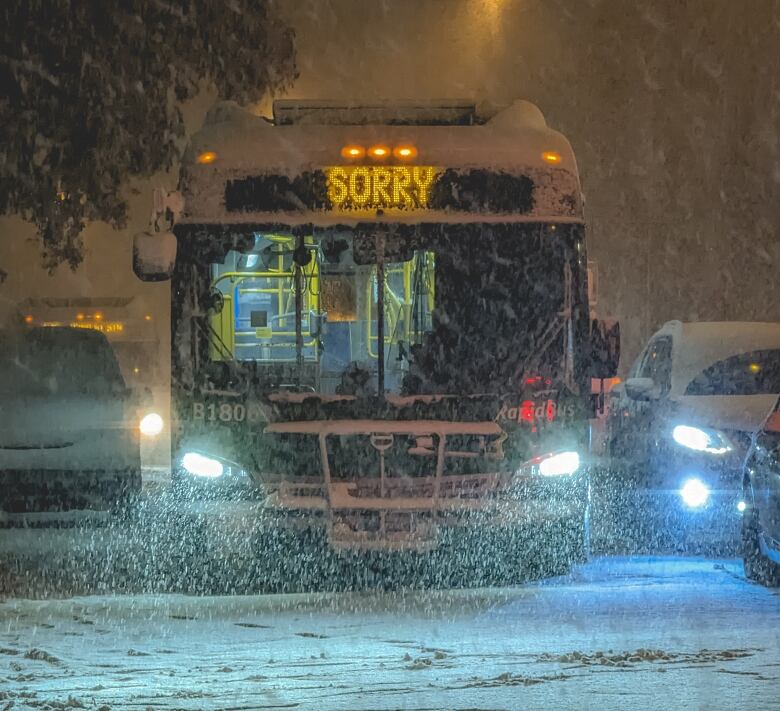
<point x="562" y="322"/>
<point x="215" y="339"/>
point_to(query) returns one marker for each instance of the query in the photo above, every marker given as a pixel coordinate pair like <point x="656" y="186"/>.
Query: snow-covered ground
<point x="619" y="633"/>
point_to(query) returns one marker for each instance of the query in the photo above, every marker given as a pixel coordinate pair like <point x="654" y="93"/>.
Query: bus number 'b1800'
<point x="227" y="412"/>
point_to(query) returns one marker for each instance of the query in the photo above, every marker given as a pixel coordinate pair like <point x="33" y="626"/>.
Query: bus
<point x="380" y="323"/>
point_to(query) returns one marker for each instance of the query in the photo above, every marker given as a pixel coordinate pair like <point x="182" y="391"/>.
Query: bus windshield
<point x="468" y="309"/>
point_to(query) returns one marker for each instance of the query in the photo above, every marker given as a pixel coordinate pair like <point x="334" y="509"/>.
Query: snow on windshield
<point x="58" y="361"/>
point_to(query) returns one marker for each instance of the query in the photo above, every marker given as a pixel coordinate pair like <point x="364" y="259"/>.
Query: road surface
<point x="618" y="633"/>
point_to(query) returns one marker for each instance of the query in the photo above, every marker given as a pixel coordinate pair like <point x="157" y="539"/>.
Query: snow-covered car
<point x="681" y="422"/>
<point x="69" y="429"/>
<point x="761" y="504"/>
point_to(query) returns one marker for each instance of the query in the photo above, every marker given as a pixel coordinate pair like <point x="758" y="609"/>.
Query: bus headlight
<point x="561" y="464"/>
<point x="151" y="425"/>
<point x="200" y="465"/>
<point x="700" y="440"/>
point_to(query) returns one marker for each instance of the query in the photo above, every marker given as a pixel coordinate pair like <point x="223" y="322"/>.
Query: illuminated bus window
<point x="257" y="320"/>
<point x="409" y="302"/>
<point x="338" y="319"/>
<point x="408" y="306"/>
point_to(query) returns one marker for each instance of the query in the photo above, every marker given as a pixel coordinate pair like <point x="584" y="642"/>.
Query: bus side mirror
<point x="154" y="255"/>
<point x="604" y="348"/>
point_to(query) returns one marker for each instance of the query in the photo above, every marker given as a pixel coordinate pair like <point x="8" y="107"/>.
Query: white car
<point x="69" y="426"/>
<point x="685" y="414"/>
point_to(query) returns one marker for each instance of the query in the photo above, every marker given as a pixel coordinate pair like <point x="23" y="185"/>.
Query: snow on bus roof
<point x="512" y="140"/>
<point x="309" y="137"/>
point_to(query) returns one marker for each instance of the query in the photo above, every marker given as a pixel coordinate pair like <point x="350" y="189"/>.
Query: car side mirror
<point x="604" y="348"/>
<point x="641" y="389"/>
<point x="154" y="255"/>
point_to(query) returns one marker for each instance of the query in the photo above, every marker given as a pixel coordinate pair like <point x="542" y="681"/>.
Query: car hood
<point x="743" y="413"/>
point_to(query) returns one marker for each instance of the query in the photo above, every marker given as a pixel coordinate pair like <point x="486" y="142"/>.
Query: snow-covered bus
<point x="380" y="322"/>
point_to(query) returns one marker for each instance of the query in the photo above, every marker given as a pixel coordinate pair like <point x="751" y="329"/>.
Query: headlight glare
<point x="700" y="440"/>
<point x="694" y="493"/>
<point x="561" y="464"/>
<point x="200" y="465"/>
<point x="151" y="425"/>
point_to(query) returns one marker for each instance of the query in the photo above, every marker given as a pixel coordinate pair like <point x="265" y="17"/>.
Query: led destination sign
<point x="362" y="188"/>
<point x="379" y="187"/>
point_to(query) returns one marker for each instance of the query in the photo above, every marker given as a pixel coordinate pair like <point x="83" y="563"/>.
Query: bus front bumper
<point x="350" y="522"/>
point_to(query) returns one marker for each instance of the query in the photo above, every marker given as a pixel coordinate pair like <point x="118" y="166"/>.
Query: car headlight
<point x="694" y="493"/>
<point x="151" y="425"/>
<point x="700" y="440"/>
<point x="556" y="464"/>
<point x="201" y="465"/>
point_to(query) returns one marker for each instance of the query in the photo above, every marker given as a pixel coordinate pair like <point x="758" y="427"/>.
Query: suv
<point x="70" y="436"/>
<point x="681" y="422"/>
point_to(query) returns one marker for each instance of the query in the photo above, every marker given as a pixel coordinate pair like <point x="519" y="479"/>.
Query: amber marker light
<point x="379" y="152"/>
<point x="353" y="152"/>
<point x="28" y="319"/>
<point x="552" y="157"/>
<point x="405" y="152"/>
<point x="206" y="157"/>
<point x="98" y="316"/>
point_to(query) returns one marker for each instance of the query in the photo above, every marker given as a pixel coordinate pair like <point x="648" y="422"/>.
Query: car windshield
<point x="753" y="373"/>
<point x="58" y="361"/>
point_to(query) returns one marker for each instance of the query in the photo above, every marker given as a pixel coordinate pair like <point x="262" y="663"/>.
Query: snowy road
<point x="649" y="633"/>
